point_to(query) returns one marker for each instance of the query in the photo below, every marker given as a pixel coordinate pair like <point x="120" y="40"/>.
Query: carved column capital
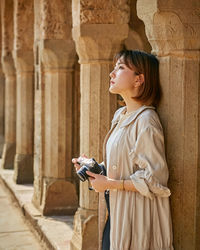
<point x="57" y="53"/>
<point x="8" y="64"/>
<point x="23" y="60"/>
<point x="99" y="42"/>
<point x="99" y="28"/>
<point x="170" y="28"/>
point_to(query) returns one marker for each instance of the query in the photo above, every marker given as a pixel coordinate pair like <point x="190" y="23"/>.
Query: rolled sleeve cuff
<point x="141" y="186"/>
<point x="149" y="187"/>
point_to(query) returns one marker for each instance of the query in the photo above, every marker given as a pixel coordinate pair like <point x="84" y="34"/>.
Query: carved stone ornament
<point x="56" y="19"/>
<point x="170" y="29"/>
<point x="7" y="27"/>
<point x="104" y="11"/>
<point x="24" y="24"/>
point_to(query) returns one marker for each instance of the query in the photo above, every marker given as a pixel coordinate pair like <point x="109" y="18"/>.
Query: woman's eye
<point x="121" y="67"/>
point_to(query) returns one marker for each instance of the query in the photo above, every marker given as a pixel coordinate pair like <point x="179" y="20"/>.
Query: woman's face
<point x="122" y="80"/>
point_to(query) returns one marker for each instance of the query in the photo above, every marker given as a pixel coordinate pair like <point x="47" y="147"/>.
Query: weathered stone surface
<point x="85" y="222"/>
<point x="100" y="12"/>
<point x="59" y="197"/>
<point x="7" y="27"/>
<point x="2" y="111"/>
<point x="10" y="84"/>
<point x="23" y="58"/>
<point x="23" y="166"/>
<point x="96" y="43"/>
<point x="54" y="63"/>
<point x="174" y="35"/>
<point x="137" y="38"/>
<point x="92" y="38"/>
<point x="2" y="95"/>
<point x="23" y="25"/>
<point x="56" y="19"/>
<point x="8" y="155"/>
<point x="170" y="29"/>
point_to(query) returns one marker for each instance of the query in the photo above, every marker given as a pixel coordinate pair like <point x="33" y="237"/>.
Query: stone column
<point x="2" y="95"/>
<point x="54" y="185"/>
<point x="10" y="84"/>
<point x="2" y="110"/>
<point x="23" y="57"/>
<point x="94" y="31"/>
<point x="173" y="31"/>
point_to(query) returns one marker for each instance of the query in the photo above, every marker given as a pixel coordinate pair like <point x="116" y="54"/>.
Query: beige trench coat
<point x="139" y="220"/>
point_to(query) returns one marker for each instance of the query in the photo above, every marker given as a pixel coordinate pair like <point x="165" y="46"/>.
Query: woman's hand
<point x="99" y="182"/>
<point x="76" y="160"/>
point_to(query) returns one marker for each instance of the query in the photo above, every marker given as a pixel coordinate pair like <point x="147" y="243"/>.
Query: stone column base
<point x="1" y="145"/>
<point x="9" y="150"/>
<point x="23" y="169"/>
<point x="85" y="235"/>
<point x="59" y="197"/>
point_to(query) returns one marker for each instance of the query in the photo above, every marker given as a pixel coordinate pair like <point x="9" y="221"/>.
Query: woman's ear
<point x="139" y="80"/>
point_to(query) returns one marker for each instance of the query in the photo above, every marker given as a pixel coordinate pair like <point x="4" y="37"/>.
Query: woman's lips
<point x="111" y="82"/>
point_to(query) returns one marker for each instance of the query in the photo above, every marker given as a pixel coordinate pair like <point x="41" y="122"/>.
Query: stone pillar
<point x="173" y="31"/>
<point x="54" y="186"/>
<point x="10" y="84"/>
<point x="2" y="110"/>
<point x="94" y="31"/>
<point x="2" y="95"/>
<point x="23" y="57"/>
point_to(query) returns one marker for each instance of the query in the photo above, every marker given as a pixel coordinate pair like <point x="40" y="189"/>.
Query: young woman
<point x="135" y="185"/>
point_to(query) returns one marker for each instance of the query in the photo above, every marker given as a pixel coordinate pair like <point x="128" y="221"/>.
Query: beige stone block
<point x="23" y="168"/>
<point x="8" y="155"/>
<point x="10" y="112"/>
<point x="85" y="227"/>
<point x="10" y="109"/>
<point x="59" y="197"/>
<point x="2" y="111"/>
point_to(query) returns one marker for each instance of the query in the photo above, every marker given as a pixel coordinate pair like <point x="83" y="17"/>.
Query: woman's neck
<point x="132" y="105"/>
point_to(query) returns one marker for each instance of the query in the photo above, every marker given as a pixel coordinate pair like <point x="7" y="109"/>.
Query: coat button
<point x="114" y="167"/>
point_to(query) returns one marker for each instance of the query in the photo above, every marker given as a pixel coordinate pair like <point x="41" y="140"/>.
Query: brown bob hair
<point x="147" y="64"/>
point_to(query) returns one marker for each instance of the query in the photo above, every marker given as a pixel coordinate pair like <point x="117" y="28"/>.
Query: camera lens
<point x="82" y="173"/>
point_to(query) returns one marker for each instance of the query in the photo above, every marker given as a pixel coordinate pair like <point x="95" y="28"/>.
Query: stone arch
<point x="137" y="39"/>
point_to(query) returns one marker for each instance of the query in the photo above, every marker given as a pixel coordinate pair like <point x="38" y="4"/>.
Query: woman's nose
<point x="112" y="74"/>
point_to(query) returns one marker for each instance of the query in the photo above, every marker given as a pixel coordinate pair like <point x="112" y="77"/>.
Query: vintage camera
<point x="88" y="165"/>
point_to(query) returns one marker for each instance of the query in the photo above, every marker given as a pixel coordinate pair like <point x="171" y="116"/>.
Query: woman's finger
<point x="83" y="155"/>
<point x="74" y="160"/>
<point x="91" y="174"/>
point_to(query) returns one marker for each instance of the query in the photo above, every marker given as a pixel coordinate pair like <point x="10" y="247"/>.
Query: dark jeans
<point x="106" y="232"/>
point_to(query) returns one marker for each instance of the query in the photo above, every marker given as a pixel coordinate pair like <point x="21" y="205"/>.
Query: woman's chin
<point x="113" y="90"/>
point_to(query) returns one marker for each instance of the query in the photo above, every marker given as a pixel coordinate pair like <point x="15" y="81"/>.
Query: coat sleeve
<point x="149" y="155"/>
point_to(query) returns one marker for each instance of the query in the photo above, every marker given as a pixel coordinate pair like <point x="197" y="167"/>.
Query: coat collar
<point x="130" y="118"/>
